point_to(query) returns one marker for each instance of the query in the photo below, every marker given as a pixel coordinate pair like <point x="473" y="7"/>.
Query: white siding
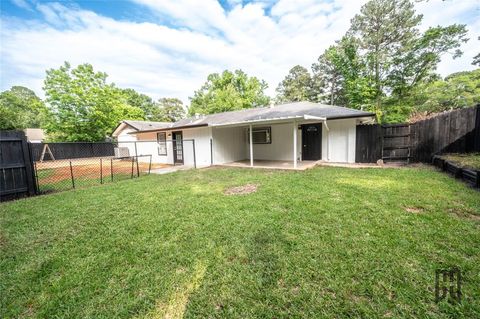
<point x="338" y="143"/>
<point x="146" y="145"/>
<point x="202" y="136"/>
<point x="123" y="136"/>
<point x="229" y="145"/>
<point x="281" y="148"/>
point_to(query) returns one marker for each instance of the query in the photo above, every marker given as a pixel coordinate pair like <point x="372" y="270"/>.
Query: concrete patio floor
<point x="301" y="165"/>
<point x="170" y="169"/>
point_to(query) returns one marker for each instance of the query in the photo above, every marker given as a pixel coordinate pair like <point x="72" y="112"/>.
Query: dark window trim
<point x="263" y="128"/>
<point x="159" y="143"/>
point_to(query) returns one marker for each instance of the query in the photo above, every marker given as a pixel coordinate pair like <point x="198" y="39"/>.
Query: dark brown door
<point x="311" y="142"/>
<point x="177" y="142"/>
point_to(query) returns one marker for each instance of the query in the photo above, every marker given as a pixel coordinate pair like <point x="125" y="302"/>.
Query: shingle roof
<point x="278" y="112"/>
<point x="146" y="125"/>
<point x="288" y="110"/>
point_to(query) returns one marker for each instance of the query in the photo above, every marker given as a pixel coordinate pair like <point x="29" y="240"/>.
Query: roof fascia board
<point x="120" y="127"/>
<point x="183" y="127"/>
<point x="350" y="116"/>
<point x="260" y="121"/>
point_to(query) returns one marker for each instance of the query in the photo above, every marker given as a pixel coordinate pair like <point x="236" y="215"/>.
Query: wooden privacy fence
<point x="457" y="131"/>
<point x="16" y="170"/>
<point x="368" y="143"/>
<point x="69" y="150"/>
<point x="453" y="132"/>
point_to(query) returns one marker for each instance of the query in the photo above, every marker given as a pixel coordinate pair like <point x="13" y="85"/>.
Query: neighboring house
<point x="34" y="135"/>
<point x="294" y="132"/>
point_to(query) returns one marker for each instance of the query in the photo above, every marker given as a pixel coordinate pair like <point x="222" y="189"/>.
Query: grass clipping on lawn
<point x="241" y="190"/>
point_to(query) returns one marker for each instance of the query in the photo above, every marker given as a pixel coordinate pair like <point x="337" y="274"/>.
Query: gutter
<point x="259" y="120"/>
<point x="170" y="128"/>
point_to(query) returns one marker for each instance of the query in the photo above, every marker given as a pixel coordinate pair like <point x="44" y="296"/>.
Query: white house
<point x="294" y="134"/>
<point x="34" y="135"/>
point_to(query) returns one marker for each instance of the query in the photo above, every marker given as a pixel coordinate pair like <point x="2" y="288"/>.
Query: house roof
<point x="301" y="110"/>
<point x="146" y="125"/>
<point x="140" y="126"/>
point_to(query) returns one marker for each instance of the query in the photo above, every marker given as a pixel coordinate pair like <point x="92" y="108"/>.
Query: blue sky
<point x="168" y="47"/>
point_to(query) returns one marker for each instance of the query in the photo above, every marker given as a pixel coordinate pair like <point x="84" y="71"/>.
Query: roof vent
<point x="197" y="116"/>
<point x="272" y="104"/>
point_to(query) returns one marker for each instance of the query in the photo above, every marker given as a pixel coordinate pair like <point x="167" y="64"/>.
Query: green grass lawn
<point x="470" y="160"/>
<point x="323" y="243"/>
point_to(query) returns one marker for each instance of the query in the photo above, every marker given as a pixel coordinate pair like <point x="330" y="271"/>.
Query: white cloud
<point x="24" y="4"/>
<point x="162" y="60"/>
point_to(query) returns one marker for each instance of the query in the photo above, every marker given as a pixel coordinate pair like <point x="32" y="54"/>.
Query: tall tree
<point x="228" y="91"/>
<point x="327" y="77"/>
<point x="297" y="86"/>
<point x="341" y="74"/>
<point x="398" y="56"/>
<point x="143" y="102"/>
<point x="419" y="58"/>
<point x="457" y="90"/>
<point x="169" y="110"/>
<point x="384" y="28"/>
<point x="84" y="106"/>
<point x="21" y="108"/>
<point x="476" y="59"/>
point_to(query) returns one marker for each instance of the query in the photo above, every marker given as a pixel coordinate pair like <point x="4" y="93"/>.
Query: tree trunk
<point x="377" y="81"/>
<point x="332" y="92"/>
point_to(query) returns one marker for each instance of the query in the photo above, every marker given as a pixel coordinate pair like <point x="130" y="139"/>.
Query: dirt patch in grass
<point x="414" y="210"/>
<point x="241" y="190"/>
<point x="464" y="214"/>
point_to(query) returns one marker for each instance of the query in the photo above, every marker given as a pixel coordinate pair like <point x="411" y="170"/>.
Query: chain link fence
<point x="64" y="166"/>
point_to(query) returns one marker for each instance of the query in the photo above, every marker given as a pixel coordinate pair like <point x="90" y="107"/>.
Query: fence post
<point x="133" y="160"/>
<point x="194" y="156"/>
<point x="71" y="174"/>
<point x="101" y="172"/>
<point x="36" y="177"/>
<point x="33" y="168"/>
<point x="136" y="155"/>
<point x="150" y="165"/>
<point x="111" y="169"/>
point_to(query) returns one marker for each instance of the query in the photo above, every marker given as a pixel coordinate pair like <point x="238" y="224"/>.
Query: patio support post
<point x="328" y="140"/>
<point x="294" y="144"/>
<point x="251" y="146"/>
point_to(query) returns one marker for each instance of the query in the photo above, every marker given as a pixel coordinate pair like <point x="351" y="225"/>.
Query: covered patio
<point x="274" y="143"/>
<point x="270" y="164"/>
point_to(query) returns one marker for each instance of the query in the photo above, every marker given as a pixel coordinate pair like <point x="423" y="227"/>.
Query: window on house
<point x="261" y="135"/>
<point x="162" y="143"/>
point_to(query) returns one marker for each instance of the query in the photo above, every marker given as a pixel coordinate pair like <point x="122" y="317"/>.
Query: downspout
<point x="328" y="140"/>
<point x="294" y="144"/>
<point x="251" y="146"/>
